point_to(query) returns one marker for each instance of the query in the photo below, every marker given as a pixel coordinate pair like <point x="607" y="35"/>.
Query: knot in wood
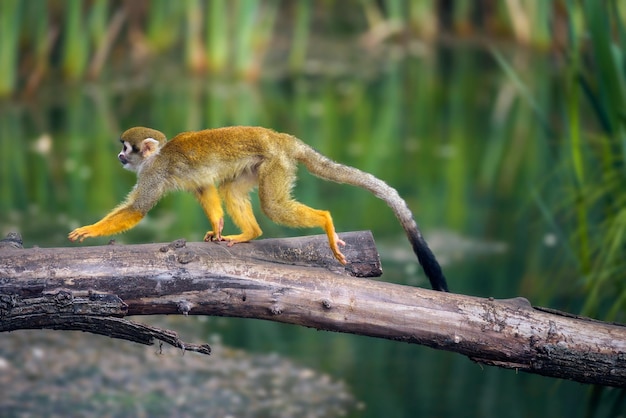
<point x="63" y="298"/>
<point x="185" y="256"/>
<point x="179" y="243"/>
<point x="184" y="307"/>
<point x="326" y="304"/>
<point x="12" y="240"/>
<point x="7" y="303"/>
<point x="276" y="309"/>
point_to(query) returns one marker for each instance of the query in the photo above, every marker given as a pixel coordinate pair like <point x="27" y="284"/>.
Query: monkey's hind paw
<point x="236" y="239"/>
<point x="335" y="249"/>
<point x="340" y="257"/>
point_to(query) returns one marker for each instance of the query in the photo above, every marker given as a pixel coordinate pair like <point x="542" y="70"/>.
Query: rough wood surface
<point x="51" y="288"/>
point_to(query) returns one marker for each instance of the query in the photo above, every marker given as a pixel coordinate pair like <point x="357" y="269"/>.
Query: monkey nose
<point x="122" y="158"/>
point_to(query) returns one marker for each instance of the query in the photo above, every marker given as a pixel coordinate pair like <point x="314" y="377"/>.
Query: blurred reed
<point x="10" y="16"/>
<point x="588" y="209"/>
<point x="600" y="161"/>
<point x="79" y="39"/>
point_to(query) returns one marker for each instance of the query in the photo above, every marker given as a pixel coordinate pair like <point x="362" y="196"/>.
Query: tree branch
<point x="275" y="280"/>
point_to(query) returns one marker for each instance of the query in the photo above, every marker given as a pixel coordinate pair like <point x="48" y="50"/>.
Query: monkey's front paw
<point x="213" y="236"/>
<point x="79" y="234"/>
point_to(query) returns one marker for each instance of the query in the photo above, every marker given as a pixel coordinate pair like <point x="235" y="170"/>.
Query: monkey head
<point x="138" y="145"/>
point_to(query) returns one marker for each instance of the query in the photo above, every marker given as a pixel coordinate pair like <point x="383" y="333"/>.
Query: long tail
<point x="328" y="169"/>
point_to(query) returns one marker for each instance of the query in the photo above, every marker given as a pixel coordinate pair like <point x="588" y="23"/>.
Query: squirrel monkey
<point x="226" y="164"/>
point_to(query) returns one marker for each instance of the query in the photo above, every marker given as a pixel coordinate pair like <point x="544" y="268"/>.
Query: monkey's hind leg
<point x="212" y="206"/>
<point x="275" y="183"/>
<point x="236" y="195"/>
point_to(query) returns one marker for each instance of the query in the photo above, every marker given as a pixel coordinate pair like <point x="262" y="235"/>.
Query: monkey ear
<point x="149" y="146"/>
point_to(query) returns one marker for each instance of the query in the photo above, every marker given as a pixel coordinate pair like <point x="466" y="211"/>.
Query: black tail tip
<point x="430" y="266"/>
<point x="427" y="259"/>
<point x="439" y="284"/>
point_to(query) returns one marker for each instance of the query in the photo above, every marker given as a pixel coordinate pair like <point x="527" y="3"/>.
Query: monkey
<point x="225" y="164"/>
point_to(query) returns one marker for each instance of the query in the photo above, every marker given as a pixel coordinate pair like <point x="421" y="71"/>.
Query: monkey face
<point x="134" y="156"/>
<point x="130" y="157"/>
<point x="138" y="145"/>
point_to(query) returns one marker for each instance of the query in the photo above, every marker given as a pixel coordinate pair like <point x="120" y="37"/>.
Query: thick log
<point x="113" y="281"/>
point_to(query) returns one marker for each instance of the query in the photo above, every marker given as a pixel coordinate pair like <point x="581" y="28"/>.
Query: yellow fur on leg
<point x="237" y="199"/>
<point x="275" y="180"/>
<point x="334" y="241"/>
<point x="118" y="221"/>
<point x="322" y="219"/>
<point x="212" y="205"/>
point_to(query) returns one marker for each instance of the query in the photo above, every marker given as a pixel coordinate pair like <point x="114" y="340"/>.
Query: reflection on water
<point x="446" y="129"/>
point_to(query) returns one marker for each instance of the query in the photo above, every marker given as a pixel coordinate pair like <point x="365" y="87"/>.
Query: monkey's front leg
<point x="239" y="208"/>
<point x="118" y="220"/>
<point x="212" y="206"/>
